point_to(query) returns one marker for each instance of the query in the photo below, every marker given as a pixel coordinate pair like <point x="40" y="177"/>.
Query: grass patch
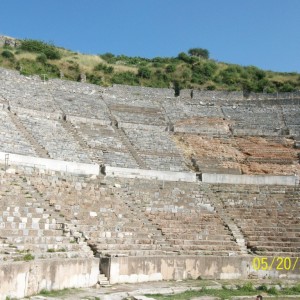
<point x="51" y="250"/>
<point x="26" y="257"/>
<point x="57" y="293"/>
<point x="226" y="293"/>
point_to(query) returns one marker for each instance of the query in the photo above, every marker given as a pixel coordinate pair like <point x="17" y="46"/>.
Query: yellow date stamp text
<point x="278" y="263"/>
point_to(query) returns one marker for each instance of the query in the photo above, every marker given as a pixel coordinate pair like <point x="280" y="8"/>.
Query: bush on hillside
<point x="7" y="54"/>
<point x="104" y="68"/>
<point x="199" y="52"/>
<point x="40" y="47"/>
<point x="94" y="79"/>
<point x="32" y="67"/>
<point x="108" y="57"/>
<point x="170" y="68"/>
<point x="144" y="72"/>
<point x="125" y="78"/>
<point x="42" y="58"/>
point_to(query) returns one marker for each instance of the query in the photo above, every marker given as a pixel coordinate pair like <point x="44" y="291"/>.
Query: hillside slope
<point x="184" y="71"/>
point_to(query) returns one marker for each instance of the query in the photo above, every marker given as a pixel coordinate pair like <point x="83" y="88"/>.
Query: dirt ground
<point x="252" y="155"/>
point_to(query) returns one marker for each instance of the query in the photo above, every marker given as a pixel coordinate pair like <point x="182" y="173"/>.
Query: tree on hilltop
<point x="199" y="52"/>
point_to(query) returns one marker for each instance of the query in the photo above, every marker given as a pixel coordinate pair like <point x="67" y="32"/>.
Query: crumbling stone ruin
<point x="237" y="196"/>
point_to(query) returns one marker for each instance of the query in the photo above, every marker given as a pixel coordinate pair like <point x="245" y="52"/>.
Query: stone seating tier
<point x="140" y="217"/>
<point x="51" y="135"/>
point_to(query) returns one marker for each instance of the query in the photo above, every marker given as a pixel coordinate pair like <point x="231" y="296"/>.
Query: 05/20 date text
<point x="277" y="262"/>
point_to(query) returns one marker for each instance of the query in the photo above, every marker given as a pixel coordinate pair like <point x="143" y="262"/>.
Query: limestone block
<point x="57" y="207"/>
<point x="22" y="225"/>
<point x="78" y="186"/>
<point x="39" y="210"/>
<point x="35" y="226"/>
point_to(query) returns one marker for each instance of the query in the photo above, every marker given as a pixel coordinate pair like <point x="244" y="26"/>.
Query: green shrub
<point x="286" y="87"/>
<point x="183" y="56"/>
<point x="170" y="69"/>
<point x="32" y="67"/>
<point x="125" y="78"/>
<point x="263" y="288"/>
<point x="42" y="58"/>
<point x="248" y="287"/>
<point x="104" y="68"/>
<point x="40" y="47"/>
<point x="199" y="52"/>
<point x="108" y="57"/>
<point x="94" y="79"/>
<point x="28" y="257"/>
<point x="7" y="54"/>
<point x="211" y="87"/>
<point x="144" y="72"/>
<point x="272" y="291"/>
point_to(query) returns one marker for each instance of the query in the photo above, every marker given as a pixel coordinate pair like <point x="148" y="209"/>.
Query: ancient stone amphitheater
<point x="131" y="184"/>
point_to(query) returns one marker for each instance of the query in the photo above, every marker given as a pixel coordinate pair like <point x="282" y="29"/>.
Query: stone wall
<point x="50" y="164"/>
<point x="149" y="174"/>
<point x="235" y="96"/>
<point x="250" y="179"/>
<point x="141" y="269"/>
<point x="142" y="91"/>
<point x="22" y="279"/>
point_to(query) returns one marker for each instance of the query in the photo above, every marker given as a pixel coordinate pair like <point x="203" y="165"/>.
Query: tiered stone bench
<point x="30" y="226"/>
<point x="11" y="140"/>
<point x="267" y="216"/>
<point x="51" y="135"/>
<point x="181" y="226"/>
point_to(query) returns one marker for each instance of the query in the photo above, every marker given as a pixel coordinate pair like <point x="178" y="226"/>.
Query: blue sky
<point x="264" y="33"/>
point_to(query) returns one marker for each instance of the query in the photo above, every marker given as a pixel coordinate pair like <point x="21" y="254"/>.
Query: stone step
<point x="29" y="226"/>
<point x="197" y="236"/>
<point x="184" y="242"/>
<point x="206" y="247"/>
<point x="58" y="240"/>
<point x="274" y="244"/>
<point x="275" y="238"/>
<point x="30" y="232"/>
<point x="267" y="249"/>
<point x="128" y="247"/>
<point x="129" y="240"/>
<point x="102" y="280"/>
<point x="136" y="252"/>
<point x="41" y="248"/>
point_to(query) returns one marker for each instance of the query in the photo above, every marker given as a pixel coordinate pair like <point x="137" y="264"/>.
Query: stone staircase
<point x="122" y="136"/>
<point x="103" y="280"/>
<point x="237" y="234"/>
<point x="131" y="149"/>
<point x="29" y="225"/>
<point x="40" y="150"/>
<point x="69" y="127"/>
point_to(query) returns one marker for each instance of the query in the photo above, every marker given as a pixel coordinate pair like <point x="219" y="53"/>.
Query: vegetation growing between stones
<point x="229" y="293"/>
<point x="57" y="293"/>
<point x="192" y="69"/>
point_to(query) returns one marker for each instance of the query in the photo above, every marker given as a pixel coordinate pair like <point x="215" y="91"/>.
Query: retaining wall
<point x="144" y="269"/>
<point x="75" y="119"/>
<point x="250" y="179"/>
<point x="50" y="164"/>
<point x="56" y="115"/>
<point x="149" y="174"/>
<point x="21" y="279"/>
<point x="143" y="91"/>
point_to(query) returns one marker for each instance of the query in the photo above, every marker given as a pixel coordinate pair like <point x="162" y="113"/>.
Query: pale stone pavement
<point x="139" y="290"/>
